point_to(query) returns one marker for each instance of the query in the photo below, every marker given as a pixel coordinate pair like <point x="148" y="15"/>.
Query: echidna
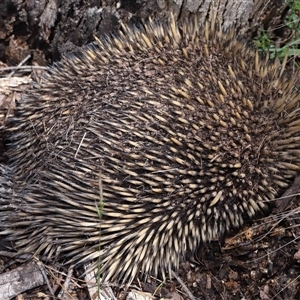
<point x="180" y="131"/>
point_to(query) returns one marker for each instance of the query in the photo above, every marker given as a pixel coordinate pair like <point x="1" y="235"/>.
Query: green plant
<point x="264" y="41"/>
<point x="292" y="18"/>
<point x="100" y="208"/>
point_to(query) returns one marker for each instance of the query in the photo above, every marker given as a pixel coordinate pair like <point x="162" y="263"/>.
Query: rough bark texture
<point x="23" y="278"/>
<point x="47" y="28"/>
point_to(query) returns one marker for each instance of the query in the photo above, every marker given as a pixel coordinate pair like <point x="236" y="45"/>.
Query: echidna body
<point x="148" y="144"/>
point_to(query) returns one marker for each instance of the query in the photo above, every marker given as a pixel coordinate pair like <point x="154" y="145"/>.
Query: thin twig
<point x="42" y="269"/>
<point x="66" y="284"/>
<point x="80" y="145"/>
<point x="19" y="65"/>
<point x="24" y="68"/>
<point x="190" y="295"/>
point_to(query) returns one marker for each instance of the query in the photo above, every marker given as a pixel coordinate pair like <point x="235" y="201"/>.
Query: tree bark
<point x="21" y="279"/>
<point x="48" y="28"/>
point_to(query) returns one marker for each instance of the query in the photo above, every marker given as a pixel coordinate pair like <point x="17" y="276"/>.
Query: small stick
<point x="66" y="284"/>
<point x="25" y="68"/>
<point x="188" y="292"/>
<point x="19" y="65"/>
